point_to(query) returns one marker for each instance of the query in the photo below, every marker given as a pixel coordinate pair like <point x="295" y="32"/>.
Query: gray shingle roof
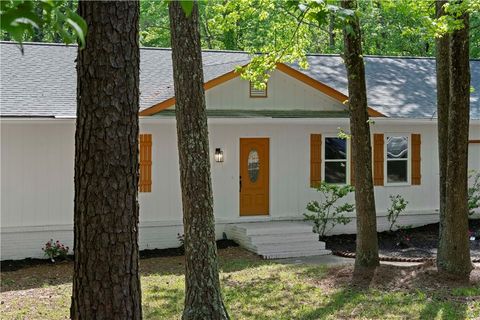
<point x="42" y="82"/>
<point x="397" y="86"/>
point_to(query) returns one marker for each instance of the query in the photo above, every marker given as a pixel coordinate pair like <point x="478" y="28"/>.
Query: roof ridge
<point x="46" y="44"/>
<point x="54" y="44"/>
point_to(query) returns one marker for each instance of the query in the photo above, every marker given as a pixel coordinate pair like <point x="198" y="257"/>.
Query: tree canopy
<point x="398" y="28"/>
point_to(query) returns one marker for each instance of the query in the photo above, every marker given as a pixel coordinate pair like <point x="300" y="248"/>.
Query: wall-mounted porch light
<point x="218" y="155"/>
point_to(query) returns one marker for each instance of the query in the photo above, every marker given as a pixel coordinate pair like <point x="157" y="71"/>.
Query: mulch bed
<point x="13" y="265"/>
<point x="418" y="242"/>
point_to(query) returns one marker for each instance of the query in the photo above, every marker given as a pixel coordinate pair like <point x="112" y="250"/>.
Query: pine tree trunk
<point x="106" y="282"/>
<point x="454" y="253"/>
<point x="443" y="87"/>
<point x="203" y="299"/>
<point x="331" y="31"/>
<point x="367" y="242"/>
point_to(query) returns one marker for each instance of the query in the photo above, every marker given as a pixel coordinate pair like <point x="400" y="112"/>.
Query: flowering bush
<point x="55" y="250"/>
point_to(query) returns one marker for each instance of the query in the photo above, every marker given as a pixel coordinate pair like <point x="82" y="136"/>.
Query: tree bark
<point x="331" y="31"/>
<point x="443" y="96"/>
<point x="454" y="253"/>
<point x="106" y="283"/>
<point x="203" y="299"/>
<point x="367" y="242"/>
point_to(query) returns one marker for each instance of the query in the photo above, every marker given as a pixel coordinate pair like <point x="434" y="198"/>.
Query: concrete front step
<point x="280" y="238"/>
<point x="277" y="239"/>
<point x="296" y="254"/>
<point x="299" y="246"/>
<point x="275" y="230"/>
<point x="262" y="250"/>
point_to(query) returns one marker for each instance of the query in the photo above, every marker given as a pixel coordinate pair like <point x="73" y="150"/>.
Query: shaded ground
<point x="13" y="265"/>
<point x="259" y="289"/>
<point x="414" y="242"/>
<point x="48" y="274"/>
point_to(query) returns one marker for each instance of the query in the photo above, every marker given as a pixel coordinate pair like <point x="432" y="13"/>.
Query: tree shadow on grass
<point x="336" y="302"/>
<point x="39" y="276"/>
<point x="438" y="309"/>
<point x="348" y="293"/>
<point x="163" y="303"/>
<point x="394" y="289"/>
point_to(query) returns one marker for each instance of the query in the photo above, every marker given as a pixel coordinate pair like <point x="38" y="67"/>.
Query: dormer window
<point x="257" y="93"/>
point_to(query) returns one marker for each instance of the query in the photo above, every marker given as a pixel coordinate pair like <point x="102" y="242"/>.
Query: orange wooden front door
<point x="254" y="176"/>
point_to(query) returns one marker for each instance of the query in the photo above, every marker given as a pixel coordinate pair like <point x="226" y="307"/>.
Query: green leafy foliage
<point x="288" y="30"/>
<point x="473" y="191"/>
<point x="342" y="134"/>
<point x="30" y="20"/>
<point x="397" y="206"/>
<point x="187" y="6"/>
<point x="327" y="213"/>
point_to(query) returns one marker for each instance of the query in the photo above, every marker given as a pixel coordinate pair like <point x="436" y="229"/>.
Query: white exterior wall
<point x="283" y="93"/>
<point x="37" y="177"/>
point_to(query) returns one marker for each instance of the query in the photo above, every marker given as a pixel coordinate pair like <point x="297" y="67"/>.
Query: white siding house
<point x="37" y="128"/>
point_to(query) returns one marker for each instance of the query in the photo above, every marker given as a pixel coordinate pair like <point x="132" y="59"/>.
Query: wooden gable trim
<point x="171" y="101"/>
<point x="329" y="91"/>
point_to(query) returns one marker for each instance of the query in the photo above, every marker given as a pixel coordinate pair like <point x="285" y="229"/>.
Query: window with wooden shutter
<point x="416" y="159"/>
<point x="378" y="157"/>
<point x="315" y="160"/>
<point x="257" y="93"/>
<point x="145" y="160"/>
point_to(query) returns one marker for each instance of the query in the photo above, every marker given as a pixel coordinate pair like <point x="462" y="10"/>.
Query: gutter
<point x="257" y="120"/>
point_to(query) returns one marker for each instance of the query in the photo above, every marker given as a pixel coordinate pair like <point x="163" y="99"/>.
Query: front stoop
<point x="277" y="239"/>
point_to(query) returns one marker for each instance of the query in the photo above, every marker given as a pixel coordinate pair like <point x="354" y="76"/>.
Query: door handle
<point x="240" y="180"/>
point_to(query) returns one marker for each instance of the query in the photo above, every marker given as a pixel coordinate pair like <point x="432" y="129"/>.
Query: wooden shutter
<point x="416" y="159"/>
<point x="315" y="160"/>
<point x="378" y="159"/>
<point x="145" y="178"/>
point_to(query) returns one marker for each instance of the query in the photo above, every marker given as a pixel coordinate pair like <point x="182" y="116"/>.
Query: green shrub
<point x="327" y="214"/>
<point x="474" y="191"/>
<point x="396" y="208"/>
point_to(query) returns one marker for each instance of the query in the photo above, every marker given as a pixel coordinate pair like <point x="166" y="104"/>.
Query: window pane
<point x="335" y="148"/>
<point x="397" y="171"/>
<point x="336" y="172"/>
<point x="253" y="165"/>
<point x="397" y="147"/>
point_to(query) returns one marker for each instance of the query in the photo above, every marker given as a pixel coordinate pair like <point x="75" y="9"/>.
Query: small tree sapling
<point x="327" y="214"/>
<point x="398" y="205"/>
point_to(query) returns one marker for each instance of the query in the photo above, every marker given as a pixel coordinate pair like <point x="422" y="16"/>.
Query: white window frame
<point x="324" y="159"/>
<point x="408" y="159"/>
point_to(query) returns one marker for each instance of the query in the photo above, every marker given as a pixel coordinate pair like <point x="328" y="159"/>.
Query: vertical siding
<point x="284" y="93"/>
<point x="37" y="178"/>
<point x="36" y="173"/>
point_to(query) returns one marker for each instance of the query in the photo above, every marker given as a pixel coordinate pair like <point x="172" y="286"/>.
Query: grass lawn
<point x="257" y="289"/>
